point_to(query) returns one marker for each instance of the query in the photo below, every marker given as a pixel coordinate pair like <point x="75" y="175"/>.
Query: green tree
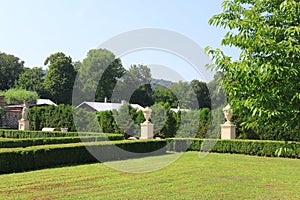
<point x="17" y="96"/>
<point x="263" y="84"/>
<point x="109" y="80"/>
<point x="125" y="121"/>
<point x="202" y="93"/>
<point x="185" y="95"/>
<point x="135" y="86"/>
<point x="158" y="118"/>
<point x="189" y="124"/>
<point x="60" y="78"/>
<point x="164" y="95"/>
<point x="216" y="89"/>
<point x="98" y="74"/>
<point x="32" y="79"/>
<point x="106" y="121"/>
<point x="10" y="69"/>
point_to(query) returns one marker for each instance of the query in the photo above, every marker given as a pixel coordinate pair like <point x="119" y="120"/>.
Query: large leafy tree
<point x="98" y="75"/>
<point x="162" y="94"/>
<point x="135" y="86"/>
<point x="202" y="93"/>
<point x="263" y="85"/>
<point x="32" y="79"/>
<point x="60" y="78"/>
<point x="17" y="96"/>
<point x="185" y="95"/>
<point x="10" y="69"/>
<point x="125" y="122"/>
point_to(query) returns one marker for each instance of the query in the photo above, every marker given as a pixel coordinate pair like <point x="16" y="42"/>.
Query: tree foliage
<point x="32" y="79"/>
<point x="17" y="96"/>
<point x="202" y="93"/>
<point x="125" y="121"/>
<point x="163" y="94"/>
<point x="263" y="85"/>
<point x="135" y="86"/>
<point x="10" y="69"/>
<point x="185" y="95"/>
<point x="51" y="116"/>
<point x="60" y="78"/>
<point x="98" y="75"/>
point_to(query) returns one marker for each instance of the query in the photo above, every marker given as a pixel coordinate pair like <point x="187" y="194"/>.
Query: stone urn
<point x="147" y="113"/>
<point x="227" y="114"/>
<point x="228" y="128"/>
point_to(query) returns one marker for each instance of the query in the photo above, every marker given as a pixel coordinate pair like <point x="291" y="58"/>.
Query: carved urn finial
<point x="147" y="113"/>
<point x="227" y="114"/>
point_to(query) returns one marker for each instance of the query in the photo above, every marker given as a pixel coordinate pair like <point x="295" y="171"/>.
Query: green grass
<point x="217" y="176"/>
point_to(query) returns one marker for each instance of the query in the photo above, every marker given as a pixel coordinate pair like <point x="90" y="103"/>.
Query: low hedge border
<point x="45" y="134"/>
<point x="26" y="142"/>
<point x="248" y="147"/>
<point x="23" y="159"/>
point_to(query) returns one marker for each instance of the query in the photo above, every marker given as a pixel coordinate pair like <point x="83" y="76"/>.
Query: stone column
<point x="228" y="128"/>
<point x="147" y="126"/>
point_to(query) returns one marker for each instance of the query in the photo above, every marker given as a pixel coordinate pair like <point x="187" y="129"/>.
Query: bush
<point x="23" y="159"/>
<point x="45" y="134"/>
<point x="17" y="96"/>
<point x="248" y="147"/>
<point x="60" y="116"/>
<point x="13" y="143"/>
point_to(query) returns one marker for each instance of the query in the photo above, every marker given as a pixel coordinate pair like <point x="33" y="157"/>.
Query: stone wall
<point x="10" y="119"/>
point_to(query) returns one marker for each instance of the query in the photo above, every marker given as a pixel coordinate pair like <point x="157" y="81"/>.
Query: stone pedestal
<point x="228" y="131"/>
<point x="23" y="124"/>
<point x="64" y="129"/>
<point x="146" y="130"/>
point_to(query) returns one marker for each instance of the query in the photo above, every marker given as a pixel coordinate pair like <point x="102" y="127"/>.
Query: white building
<point x="103" y="106"/>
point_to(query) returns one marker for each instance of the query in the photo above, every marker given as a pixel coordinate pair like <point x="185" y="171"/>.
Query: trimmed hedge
<point x="248" y="147"/>
<point x="13" y="143"/>
<point x="45" y="134"/>
<point x="23" y="159"/>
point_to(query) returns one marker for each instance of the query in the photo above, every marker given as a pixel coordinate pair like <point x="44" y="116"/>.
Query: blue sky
<point x="33" y="29"/>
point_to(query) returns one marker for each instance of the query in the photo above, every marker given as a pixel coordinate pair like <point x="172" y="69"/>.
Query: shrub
<point x="16" y="96"/>
<point x="248" y="147"/>
<point x="13" y="143"/>
<point x="22" y="159"/>
<point x="60" y="116"/>
<point x="45" y="134"/>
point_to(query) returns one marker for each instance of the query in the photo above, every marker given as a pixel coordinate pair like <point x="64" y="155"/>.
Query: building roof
<point x="102" y="106"/>
<point x="45" y="102"/>
<point x="179" y="109"/>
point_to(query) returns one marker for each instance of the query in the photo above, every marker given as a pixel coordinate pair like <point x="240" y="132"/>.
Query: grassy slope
<point x="217" y="176"/>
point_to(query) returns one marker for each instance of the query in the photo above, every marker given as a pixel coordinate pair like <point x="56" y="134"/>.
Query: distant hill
<point x="162" y="82"/>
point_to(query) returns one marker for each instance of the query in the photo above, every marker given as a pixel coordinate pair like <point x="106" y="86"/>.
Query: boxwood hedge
<point x="26" y="142"/>
<point x="5" y="133"/>
<point x="248" y="147"/>
<point x="36" y="157"/>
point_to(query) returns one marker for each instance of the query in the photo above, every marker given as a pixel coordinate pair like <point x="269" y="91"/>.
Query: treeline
<point x="99" y="76"/>
<point x="126" y="121"/>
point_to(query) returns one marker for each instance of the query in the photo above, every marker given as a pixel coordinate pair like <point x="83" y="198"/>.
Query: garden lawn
<point x="216" y="176"/>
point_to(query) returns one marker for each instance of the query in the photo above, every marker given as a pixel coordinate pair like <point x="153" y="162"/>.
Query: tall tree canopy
<point x="164" y="94"/>
<point x="98" y="74"/>
<point x="202" y="93"/>
<point x="135" y="86"/>
<point x="263" y="85"/>
<point x="17" y="96"/>
<point x="32" y="79"/>
<point x="185" y="95"/>
<point x="60" y="78"/>
<point x="10" y="69"/>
